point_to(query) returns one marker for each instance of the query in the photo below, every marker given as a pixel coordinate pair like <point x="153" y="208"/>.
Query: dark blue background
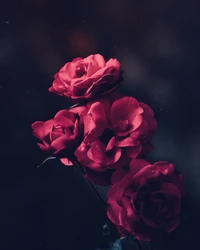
<point x="158" y="44"/>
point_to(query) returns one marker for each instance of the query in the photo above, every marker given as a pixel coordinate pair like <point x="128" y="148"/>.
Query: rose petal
<point x="114" y="63"/>
<point x="126" y="142"/>
<point x="114" y="157"/>
<point x="66" y="113"/>
<point x="133" y="152"/>
<point x="118" y="175"/>
<point x="47" y="127"/>
<point x="61" y="143"/>
<point x="43" y="147"/>
<point x="38" y="129"/>
<point x="126" y="108"/>
<point x="96" y="152"/>
<point x="172" y="224"/>
<point x="99" y="58"/>
<point x="66" y="162"/>
<point x="110" y="144"/>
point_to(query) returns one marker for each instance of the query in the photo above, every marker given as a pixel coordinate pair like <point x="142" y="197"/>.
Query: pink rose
<point x="62" y="133"/>
<point x="84" y="78"/>
<point x="114" y="132"/>
<point x="146" y="200"/>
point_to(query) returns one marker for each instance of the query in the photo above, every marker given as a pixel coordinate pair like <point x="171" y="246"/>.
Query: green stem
<point x="77" y="164"/>
<point x="139" y="247"/>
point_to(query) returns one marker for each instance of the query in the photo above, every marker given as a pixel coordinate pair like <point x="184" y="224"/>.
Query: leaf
<point x="48" y="158"/>
<point x="117" y="245"/>
<point x="73" y="106"/>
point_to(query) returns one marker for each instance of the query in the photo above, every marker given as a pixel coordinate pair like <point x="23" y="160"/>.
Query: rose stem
<point x="150" y="246"/>
<point x="77" y="164"/>
<point x="139" y="247"/>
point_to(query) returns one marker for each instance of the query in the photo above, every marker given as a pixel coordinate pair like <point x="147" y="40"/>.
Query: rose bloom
<point x="114" y="132"/>
<point x="146" y="200"/>
<point x="62" y="134"/>
<point x="84" y="78"/>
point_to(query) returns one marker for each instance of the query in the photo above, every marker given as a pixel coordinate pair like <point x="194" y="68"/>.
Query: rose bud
<point x="145" y="200"/>
<point x="84" y="78"/>
<point x="60" y="135"/>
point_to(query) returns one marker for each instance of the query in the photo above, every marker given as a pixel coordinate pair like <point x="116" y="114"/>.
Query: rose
<point x="114" y="132"/>
<point x="146" y="200"/>
<point x="132" y="121"/>
<point x="61" y="135"/>
<point x="84" y="78"/>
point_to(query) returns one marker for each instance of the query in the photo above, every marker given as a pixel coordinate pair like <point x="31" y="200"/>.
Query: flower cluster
<point x="109" y="134"/>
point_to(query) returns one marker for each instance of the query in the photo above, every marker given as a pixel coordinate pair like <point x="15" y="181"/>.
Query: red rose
<point x="84" y="78"/>
<point x="146" y="200"/>
<point x="63" y="132"/>
<point x="114" y="132"/>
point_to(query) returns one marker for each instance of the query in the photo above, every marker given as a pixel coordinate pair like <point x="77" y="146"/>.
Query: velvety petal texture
<point x="145" y="200"/>
<point x="84" y="78"/>
<point x="62" y="133"/>
<point x="115" y="129"/>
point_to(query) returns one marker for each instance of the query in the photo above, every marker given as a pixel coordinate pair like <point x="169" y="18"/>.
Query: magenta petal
<point x="170" y="190"/>
<point x="54" y="135"/>
<point x="125" y="108"/>
<point x="113" y="211"/>
<point x="133" y="152"/>
<point x="111" y="144"/>
<point x="61" y="143"/>
<point x="66" y="162"/>
<point x="115" y="156"/>
<point x="115" y="64"/>
<point x="64" y="122"/>
<point x="136" y="165"/>
<point x="38" y="129"/>
<point x="97" y="112"/>
<point x="47" y="127"/>
<point x="164" y="167"/>
<point x="127" y="142"/>
<point x="65" y="113"/>
<point x="81" y="110"/>
<point x="96" y="152"/>
<point x="99" y="58"/>
<point x="172" y="224"/>
<point x="115" y="194"/>
<point x="118" y="175"/>
<point x="42" y="147"/>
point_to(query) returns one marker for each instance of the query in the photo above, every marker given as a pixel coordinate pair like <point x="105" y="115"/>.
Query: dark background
<point x="158" y="45"/>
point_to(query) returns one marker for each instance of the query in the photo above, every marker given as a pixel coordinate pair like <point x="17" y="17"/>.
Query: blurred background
<point x="158" y="45"/>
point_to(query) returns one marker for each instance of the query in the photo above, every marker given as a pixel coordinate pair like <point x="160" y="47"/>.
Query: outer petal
<point x="38" y="129"/>
<point x="47" y="127"/>
<point x="118" y="175"/>
<point x="66" y="162"/>
<point x="100" y="60"/>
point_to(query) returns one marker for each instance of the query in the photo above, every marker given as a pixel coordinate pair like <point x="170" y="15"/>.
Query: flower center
<point x="57" y="128"/>
<point x="106" y="136"/>
<point x="80" y="71"/>
<point x="122" y="125"/>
